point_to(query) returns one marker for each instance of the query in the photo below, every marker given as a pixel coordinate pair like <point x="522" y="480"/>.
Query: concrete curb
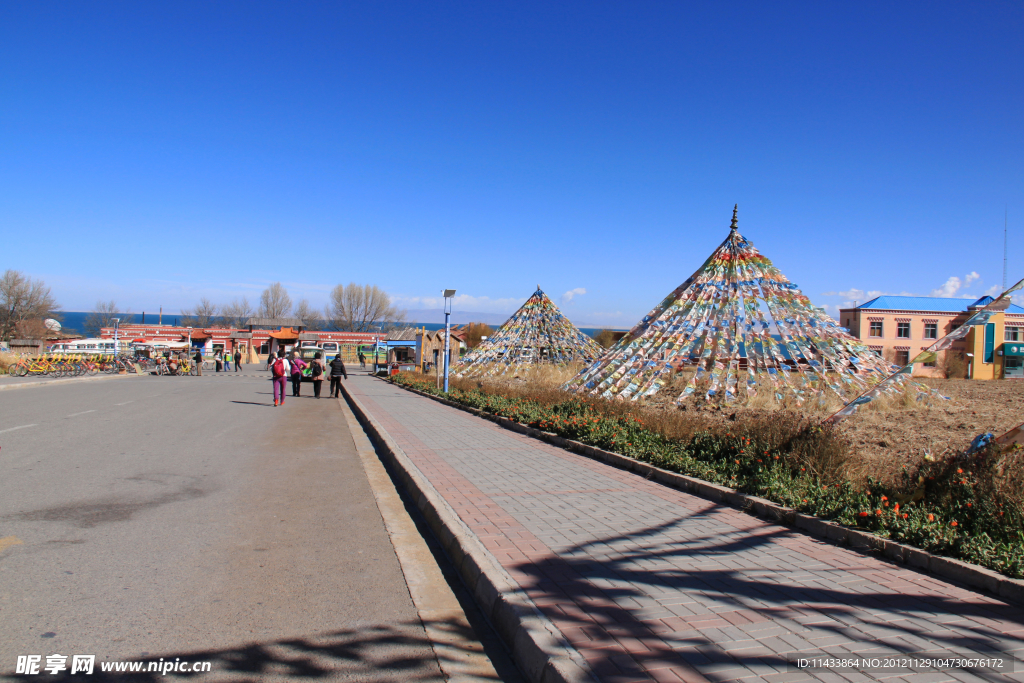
<point x="1011" y="590"/>
<point x="537" y="646"/>
<point x="26" y="385"/>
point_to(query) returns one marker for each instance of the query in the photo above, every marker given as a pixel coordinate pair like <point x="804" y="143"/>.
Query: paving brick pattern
<point x="653" y="584"/>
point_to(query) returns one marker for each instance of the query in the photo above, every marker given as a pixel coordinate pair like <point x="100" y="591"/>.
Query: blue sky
<point x="153" y="153"/>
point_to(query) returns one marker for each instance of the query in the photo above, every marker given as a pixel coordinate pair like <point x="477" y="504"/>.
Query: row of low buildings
<point x="263" y="336"/>
<point x="900" y="327"/>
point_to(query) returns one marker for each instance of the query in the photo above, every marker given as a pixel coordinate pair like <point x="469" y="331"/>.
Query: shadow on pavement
<point x="599" y="595"/>
<point x="393" y="652"/>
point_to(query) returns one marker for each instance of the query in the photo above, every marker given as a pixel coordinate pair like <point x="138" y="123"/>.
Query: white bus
<point x="91" y="346"/>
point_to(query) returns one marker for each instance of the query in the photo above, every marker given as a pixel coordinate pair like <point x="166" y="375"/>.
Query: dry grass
<point x="884" y="439"/>
<point x="7" y="359"/>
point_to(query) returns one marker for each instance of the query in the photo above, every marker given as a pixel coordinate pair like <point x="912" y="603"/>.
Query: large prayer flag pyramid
<point x="736" y="328"/>
<point x="536" y="333"/>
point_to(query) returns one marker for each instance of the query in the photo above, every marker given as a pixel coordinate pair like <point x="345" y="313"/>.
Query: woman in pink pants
<point x="279" y="371"/>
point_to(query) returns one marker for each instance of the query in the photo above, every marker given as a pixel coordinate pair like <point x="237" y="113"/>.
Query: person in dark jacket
<point x="337" y="372"/>
<point x="238" y="359"/>
<point x="317" y="368"/>
<point x="198" y="358"/>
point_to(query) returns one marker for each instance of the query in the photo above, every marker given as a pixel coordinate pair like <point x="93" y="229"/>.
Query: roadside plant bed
<point x="959" y="508"/>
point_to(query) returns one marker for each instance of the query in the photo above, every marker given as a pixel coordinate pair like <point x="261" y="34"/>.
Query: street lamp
<point x="117" y="323"/>
<point x="448" y="295"/>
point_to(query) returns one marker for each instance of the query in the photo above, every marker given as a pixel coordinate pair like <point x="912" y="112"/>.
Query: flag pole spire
<point x="735" y="223"/>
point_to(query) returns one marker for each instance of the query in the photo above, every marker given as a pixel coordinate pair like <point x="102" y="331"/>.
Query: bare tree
<point x="275" y="302"/>
<point x="237" y="313"/>
<point x="361" y="308"/>
<point x="201" y="315"/>
<point x="309" y="316"/>
<point x="475" y="332"/>
<point x="103" y="316"/>
<point x="22" y="299"/>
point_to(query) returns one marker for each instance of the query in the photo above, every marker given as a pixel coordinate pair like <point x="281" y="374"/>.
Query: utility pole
<point x="1006" y="214"/>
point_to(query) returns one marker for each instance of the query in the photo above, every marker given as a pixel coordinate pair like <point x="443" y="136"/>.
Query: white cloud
<point x="949" y="289"/>
<point x="954" y="286"/>
<point x="568" y="296"/>
<point x="994" y="290"/>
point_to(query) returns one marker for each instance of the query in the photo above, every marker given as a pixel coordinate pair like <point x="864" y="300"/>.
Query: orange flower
<point x="969" y="505"/>
<point x="904" y="515"/>
<point x="954" y="523"/>
<point x="862" y="514"/>
<point x="896" y="507"/>
<point x="931" y="517"/>
<point x="885" y="498"/>
<point x="885" y="504"/>
<point x="878" y="512"/>
<point x="959" y="471"/>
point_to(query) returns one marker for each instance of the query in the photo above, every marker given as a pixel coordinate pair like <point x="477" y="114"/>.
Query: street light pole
<point x="448" y="294"/>
<point x="117" y="323"/>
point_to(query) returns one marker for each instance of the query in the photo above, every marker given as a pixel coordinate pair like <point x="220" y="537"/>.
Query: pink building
<point x="899" y="327"/>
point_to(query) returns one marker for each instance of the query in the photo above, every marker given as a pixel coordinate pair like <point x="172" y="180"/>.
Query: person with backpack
<point x="279" y="371"/>
<point x="316" y="373"/>
<point x="337" y="372"/>
<point x="297" y="365"/>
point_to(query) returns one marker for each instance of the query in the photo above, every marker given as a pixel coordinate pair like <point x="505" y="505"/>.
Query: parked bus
<point x="92" y="345"/>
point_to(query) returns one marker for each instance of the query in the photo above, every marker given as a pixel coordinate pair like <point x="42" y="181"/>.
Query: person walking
<point x="227" y="361"/>
<point x="362" y="359"/>
<point x="297" y="365"/>
<point x="279" y="371"/>
<point x="337" y="372"/>
<point x="238" y="359"/>
<point x="219" y="361"/>
<point x="316" y="373"/>
<point x="198" y="358"/>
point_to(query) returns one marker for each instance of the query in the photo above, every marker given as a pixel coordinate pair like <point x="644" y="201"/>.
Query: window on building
<point x="1011" y="334"/>
<point x="930" y="364"/>
<point x="903" y="330"/>
<point x="931" y="331"/>
<point x="876" y="328"/>
<point x="902" y="357"/>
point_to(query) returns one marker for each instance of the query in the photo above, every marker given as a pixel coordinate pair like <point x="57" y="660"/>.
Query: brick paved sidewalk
<point x="650" y="583"/>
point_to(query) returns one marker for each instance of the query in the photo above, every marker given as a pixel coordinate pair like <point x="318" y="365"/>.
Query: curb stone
<point x="1011" y="590"/>
<point x="537" y="646"/>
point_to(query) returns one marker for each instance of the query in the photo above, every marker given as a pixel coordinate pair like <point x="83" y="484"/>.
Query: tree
<point x="237" y="313"/>
<point x="103" y="316"/>
<point x="606" y="338"/>
<point x="361" y="308"/>
<point x="309" y="316"/>
<point x="22" y="299"/>
<point x="475" y="333"/>
<point x="201" y="315"/>
<point x="275" y="302"/>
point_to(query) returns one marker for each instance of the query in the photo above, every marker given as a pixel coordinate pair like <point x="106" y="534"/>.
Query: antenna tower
<point x="1006" y="213"/>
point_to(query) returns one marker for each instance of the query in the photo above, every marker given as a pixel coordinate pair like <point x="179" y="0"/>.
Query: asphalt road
<point x="188" y="518"/>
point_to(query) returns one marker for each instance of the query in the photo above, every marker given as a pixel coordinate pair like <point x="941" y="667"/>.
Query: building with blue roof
<point x="900" y="327"/>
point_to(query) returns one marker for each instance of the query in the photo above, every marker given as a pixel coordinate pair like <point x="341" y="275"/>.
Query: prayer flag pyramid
<point x="536" y="333"/>
<point x="735" y="329"/>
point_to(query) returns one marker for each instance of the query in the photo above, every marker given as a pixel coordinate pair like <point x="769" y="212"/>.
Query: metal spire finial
<point x="735" y="223"/>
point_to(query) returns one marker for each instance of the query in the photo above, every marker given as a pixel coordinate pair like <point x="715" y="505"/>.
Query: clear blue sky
<point x="153" y="153"/>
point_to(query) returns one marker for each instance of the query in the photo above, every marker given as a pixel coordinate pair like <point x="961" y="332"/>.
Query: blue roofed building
<point x="900" y="327"/>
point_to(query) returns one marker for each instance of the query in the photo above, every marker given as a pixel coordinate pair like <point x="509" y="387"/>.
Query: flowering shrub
<point x="949" y="508"/>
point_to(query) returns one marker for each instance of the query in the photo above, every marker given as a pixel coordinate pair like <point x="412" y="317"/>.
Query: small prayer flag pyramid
<point x="536" y="333"/>
<point x="736" y="328"/>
